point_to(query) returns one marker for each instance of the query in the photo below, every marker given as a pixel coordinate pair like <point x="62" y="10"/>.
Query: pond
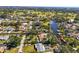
<point x="54" y="26"/>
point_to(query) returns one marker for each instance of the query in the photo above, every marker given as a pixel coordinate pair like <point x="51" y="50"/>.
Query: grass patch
<point x="2" y="41"/>
<point x="29" y="49"/>
<point x="13" y="50"/>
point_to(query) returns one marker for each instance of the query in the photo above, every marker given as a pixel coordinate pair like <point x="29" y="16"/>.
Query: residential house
<point x="2" y="48"/>
<point x="24" y="26"/>
<point x="40" y="47"/>
<point x="42" y="35"/>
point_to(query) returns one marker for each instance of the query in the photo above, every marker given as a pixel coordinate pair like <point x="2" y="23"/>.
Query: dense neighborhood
<point x="39" y="30"/>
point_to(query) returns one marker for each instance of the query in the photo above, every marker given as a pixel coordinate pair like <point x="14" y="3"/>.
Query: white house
<point x="71" y="20"/>
<point x="4" y="37"/>
<point x="40" y="47"/>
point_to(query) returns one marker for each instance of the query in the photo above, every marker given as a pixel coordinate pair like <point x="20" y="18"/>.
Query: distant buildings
<point x="72" y="29"/>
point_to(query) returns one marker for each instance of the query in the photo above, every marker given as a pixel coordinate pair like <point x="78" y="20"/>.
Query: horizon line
<point x="45" y="6"/>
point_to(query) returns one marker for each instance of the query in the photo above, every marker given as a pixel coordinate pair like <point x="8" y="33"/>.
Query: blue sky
<point x="53" y="3"/>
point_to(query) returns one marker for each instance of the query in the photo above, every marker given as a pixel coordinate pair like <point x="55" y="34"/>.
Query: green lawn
<point x="13" y="50"/>
<point x="28" y="49"/>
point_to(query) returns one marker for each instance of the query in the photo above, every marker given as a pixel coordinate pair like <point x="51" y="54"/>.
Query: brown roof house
<point x="42" y="35"/>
